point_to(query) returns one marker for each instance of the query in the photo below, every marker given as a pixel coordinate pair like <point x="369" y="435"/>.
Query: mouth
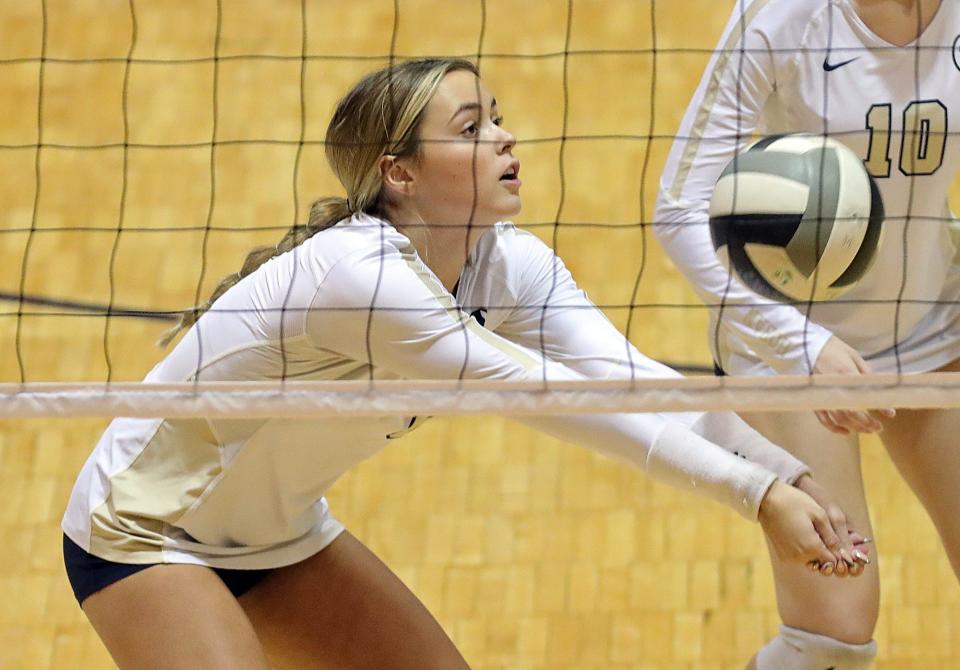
<point x="512" y="173"/>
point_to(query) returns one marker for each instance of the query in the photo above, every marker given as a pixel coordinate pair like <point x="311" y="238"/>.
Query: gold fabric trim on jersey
<point x="447" y="301"/>
<point x="710" y="97"/>
<point x="155" y="490"/>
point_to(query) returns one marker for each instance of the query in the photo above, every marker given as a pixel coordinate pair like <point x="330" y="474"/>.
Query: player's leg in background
<point x="827" y="620"/>
<point x="923" y="445"/>
<point x="344" y="609"/>
<point x="174" y="617"/>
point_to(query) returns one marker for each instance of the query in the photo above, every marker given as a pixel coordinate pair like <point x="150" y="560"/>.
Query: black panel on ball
<point x="735" y="232"/>
<point x="760" y="145"/>
<point x="771" y="229"/>
<point x="748" y="275"/>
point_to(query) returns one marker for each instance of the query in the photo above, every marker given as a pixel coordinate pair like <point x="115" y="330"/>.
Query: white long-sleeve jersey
<point x="353" y="302"/>
<point x="813" y="66"/>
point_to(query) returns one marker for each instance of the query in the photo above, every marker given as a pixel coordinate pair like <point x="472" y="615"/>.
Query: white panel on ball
<point x="756" y="192"/>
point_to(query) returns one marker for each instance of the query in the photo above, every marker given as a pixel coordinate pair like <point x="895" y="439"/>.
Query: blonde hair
<point x="380" y="116"/>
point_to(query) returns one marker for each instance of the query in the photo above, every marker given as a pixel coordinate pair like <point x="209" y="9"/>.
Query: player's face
<point x="465" y="172"/>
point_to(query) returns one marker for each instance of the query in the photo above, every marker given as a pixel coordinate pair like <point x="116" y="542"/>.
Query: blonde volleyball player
<point x="209" y="544"/>
<point x="882" y="76"/>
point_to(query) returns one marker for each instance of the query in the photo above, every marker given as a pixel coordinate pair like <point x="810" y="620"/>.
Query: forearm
<point x="779" y="334"/>
<point x="669" y="452"/>
<point x="735" y="435"/>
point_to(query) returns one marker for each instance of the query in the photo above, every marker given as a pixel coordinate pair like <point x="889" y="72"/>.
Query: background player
<point x="171" y="520"/>
<point x="881" y="76"/>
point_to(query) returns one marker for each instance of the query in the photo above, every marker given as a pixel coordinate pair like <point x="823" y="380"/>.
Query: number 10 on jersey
<point x="923" y="141"/>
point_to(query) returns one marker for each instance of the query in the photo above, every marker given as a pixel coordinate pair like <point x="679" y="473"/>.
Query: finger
<point x="880" y="414"/>
<point x="839" y="522"/>
<point x="813" y="566"/>
<point x="865" y="422"/>
<point x="860" y="422"/>
<point x="858" y="360"/>
<point x="824" y="418"/>
<point x="863" y="548"/>
<point x="872" y="418"/>
<point x="828" y="423"/>
<point x="826" y="569"/>
<point x="827" y="535"/>
<point x="845" y="420"/>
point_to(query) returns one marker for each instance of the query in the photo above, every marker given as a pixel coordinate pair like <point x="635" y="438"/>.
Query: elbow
<point x="668" y="217"/>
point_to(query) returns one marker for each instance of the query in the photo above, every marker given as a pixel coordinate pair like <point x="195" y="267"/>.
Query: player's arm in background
<point x="383" y="309"/>
<point x="720" y="120"/>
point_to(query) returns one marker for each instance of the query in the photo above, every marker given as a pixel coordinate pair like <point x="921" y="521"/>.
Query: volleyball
<point x="797" y="217"/>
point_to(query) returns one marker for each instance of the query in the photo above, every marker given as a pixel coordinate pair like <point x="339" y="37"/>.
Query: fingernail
<point x="866" y="540"/>
<point x="827" y="569"/>
<point x="813" y="566"/>
<point x="861" y="556"/>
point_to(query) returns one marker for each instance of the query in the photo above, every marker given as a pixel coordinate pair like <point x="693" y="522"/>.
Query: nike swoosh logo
<point x="828" y="67"/>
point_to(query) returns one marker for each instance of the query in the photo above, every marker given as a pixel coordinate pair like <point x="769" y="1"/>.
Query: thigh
<point x="174" y="616"/>
<point x="923" y="444"/>
<point x="842" y="608"/>
<point x="343" y="608"/>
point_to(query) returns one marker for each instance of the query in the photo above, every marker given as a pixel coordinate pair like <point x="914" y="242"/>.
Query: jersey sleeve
<point x="555" y="316"/>
<point x="388" y="310"/>
<point x="720" y="120"/>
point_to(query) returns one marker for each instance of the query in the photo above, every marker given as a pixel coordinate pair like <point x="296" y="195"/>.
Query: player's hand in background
<point x="838" y="358"/>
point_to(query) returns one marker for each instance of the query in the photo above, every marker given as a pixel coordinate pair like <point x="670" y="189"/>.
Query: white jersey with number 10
<point x="814" y="66"/>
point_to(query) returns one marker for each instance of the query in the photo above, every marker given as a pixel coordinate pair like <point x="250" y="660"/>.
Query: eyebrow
<point x="469" y="106"/>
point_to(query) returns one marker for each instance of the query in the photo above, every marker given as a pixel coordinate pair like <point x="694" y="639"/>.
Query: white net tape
<point x="364" y="398"/>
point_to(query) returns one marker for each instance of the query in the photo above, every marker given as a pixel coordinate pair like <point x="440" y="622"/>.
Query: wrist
<point x="769" y="500"/>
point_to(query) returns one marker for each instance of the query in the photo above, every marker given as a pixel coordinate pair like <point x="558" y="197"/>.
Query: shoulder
<point x="356" y="254"/>
<point x="353" y="241"/>
<point x="783" y="15"/>
<point x="359" y="234"/>
<point x="779" y="23"/>
<point x="508" y="251"/>
<point x="506" y="239"/>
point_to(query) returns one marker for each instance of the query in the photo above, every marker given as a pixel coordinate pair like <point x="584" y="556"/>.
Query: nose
<point x="506" y="140"/>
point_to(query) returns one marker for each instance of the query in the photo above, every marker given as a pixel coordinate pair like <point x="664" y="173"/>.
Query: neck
<point x="444" y="249"/>
<point x="899" y="22"/>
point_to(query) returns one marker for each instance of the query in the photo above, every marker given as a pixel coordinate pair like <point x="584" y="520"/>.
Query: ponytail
<point x="324" y="213"/>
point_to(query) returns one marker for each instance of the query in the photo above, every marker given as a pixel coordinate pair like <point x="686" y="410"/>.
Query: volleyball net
<point x="149" y="145"/>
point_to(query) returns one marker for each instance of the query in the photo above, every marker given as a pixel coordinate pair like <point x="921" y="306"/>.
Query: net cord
<point x="307" y="399"/>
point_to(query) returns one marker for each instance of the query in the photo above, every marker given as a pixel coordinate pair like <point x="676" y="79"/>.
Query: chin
<point x="501" y="210"/>
<point x="511" y="210"/>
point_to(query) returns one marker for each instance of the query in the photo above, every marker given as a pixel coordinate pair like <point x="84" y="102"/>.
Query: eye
<point x="471" y="130"/>
<point x="498" y="121"/>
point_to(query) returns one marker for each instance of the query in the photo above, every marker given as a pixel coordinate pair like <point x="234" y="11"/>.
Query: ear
<point x="396" y="176"/>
